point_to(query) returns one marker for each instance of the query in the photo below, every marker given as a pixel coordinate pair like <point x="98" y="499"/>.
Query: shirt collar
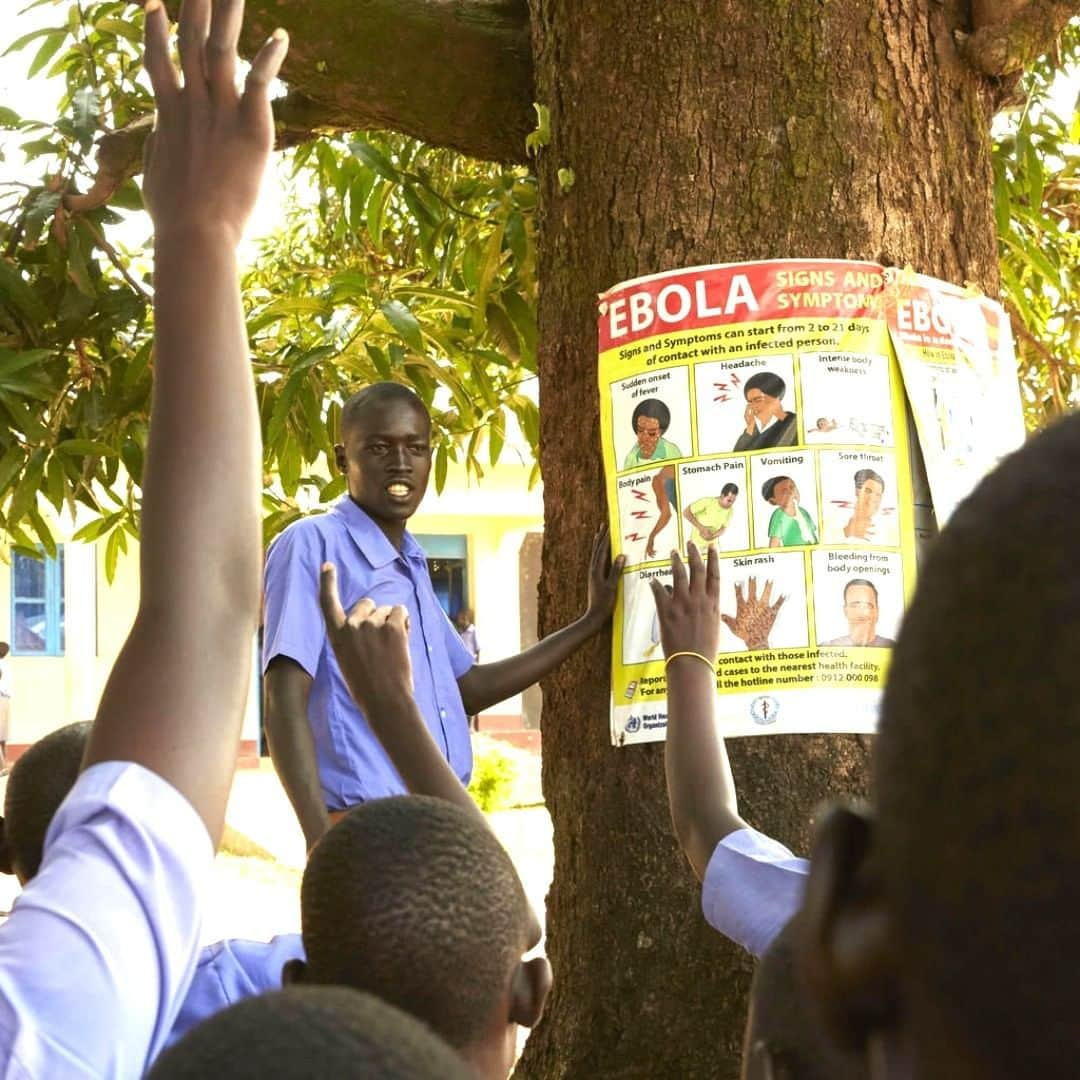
<point x="370" y="539"/>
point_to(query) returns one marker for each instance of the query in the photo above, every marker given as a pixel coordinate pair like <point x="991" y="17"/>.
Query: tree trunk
<point x="706" y="131"/>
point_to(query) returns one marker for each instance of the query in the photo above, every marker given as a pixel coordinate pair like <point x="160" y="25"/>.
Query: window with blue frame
<point x="448" y="563"/>
<point x="37" y="605"/>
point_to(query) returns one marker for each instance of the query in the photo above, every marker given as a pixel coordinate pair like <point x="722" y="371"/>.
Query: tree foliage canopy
<point x="394" y="259"/>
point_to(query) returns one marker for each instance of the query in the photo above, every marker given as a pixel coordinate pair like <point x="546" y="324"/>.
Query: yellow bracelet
<point x="687" y="652"/>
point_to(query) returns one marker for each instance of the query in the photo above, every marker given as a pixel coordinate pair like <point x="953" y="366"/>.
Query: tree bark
<point x="706" y="131"/>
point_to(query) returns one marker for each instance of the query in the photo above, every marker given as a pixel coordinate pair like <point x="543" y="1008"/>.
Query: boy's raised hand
<point x="206" y="157"/>
<point x="371" y="645"/>
<point x="689" y="614"/>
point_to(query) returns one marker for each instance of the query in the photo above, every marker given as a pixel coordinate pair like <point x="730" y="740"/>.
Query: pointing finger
<point x="329" y="600"/>
<point x="712" y="573"/>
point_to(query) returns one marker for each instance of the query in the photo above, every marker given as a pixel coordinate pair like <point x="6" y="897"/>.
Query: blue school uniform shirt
<point x="228" y="972"/>
<point x="753" y="886"/>
<point x="352" y="764"/>
<point x="100" y="946"/>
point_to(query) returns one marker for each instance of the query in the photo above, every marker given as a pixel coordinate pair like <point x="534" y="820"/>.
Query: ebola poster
<point x="958" y="364"/>
<point x="761" y="407"/>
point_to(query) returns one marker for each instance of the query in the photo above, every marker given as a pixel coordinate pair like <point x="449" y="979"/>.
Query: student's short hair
<point x="867" y="474"/>
<point x="39" y="782"/>
<point x="768" y="382"/>
<point x="769" y="486"/>
<point x="316" y="1032"/>
<point x="415" y="900"/>
<point x="730" y="489"/>
<point x="853" y="582"/>
<point x="784" y="1019"/>
<point x="377" y="394"/>
<point x="656" y="410"/>
<point x="975" y="766"/>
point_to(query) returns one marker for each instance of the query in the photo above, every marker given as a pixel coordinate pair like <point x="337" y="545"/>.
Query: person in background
<point x="466" y="628"/>
<point x="5" y="706"/>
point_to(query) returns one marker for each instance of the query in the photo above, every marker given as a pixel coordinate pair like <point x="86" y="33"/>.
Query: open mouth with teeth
<point x="398" y="491"/>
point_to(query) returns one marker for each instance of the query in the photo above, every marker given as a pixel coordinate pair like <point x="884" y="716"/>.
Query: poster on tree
<point x="760" y="407"/>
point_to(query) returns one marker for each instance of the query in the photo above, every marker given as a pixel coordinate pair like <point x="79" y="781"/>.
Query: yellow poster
<point x="760" y="407"/>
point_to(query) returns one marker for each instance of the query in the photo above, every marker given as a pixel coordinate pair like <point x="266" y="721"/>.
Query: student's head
<point x="414" y="899"/>
<point x="5" y="648"/>
<point x="869" y="487"/>
<point x="861" y="607"/>
<point x="764" y="393"/>
<point x="38" y="784"/>
<point x="942" y="927"/>
<point x="780" y="491"/>
<point x="728" y="494"/>
<point x="783" y="1037"/>
<point x="385" y="451"/>
<point x="650" y="420"/>
<point x="464" y="618"/>
<point x="310" y="1033"/>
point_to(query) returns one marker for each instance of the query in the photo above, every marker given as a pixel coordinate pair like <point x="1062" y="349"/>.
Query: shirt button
<point x="442" y="713"/>
<point x="429" y="648"/>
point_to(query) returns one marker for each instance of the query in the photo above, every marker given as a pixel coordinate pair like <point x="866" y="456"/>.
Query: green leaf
<point x="374" y="159"/>
<point x="94" y="529"/>
<point x="496" y="436"/>
<point x="22" y="42"/>
<point x="333" y="489"/>
<point x="25" y="493"/>
<point x="9" y="118"/>
<point x="404" y="322"/>
<point x="10" y="465"/>
<point x="49" y="48"/>
<point x="440" y="468"/>
<point x="116" y="543"/>
<point x="44" y="533"/>
<point x="14" y="291"/>
<point x="128" y="31"/>
<point x="55" y="482"/>
<point x="85" y="448"/>
<point x="376" y="211"/>
<point x="87" y="106"/>
<point x="1036" y="179"/>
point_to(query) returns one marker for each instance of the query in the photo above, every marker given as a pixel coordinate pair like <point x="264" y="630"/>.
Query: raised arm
<point x="175" y="698"/>
<point x="484" y="685"/>
<point x="701" y="789"/>
<point x="372" y="649"/>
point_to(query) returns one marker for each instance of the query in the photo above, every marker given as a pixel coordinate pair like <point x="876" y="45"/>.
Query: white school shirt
<point x="753" y="886"/>
<point x="100" y="946"/>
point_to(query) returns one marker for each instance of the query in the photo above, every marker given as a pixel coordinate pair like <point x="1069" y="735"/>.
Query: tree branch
<point x="1008" y="36"/>
<point x="455" y="73"/>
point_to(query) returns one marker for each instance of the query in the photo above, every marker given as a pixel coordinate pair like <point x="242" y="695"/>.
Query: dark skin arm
<point x="701" y="789"/>
<point x="292" y="745"/>
<point x="372" y="648"/>
<point x="664" y="505"/>
<point x="175" y="698"/>
<point x="484" y="685"/>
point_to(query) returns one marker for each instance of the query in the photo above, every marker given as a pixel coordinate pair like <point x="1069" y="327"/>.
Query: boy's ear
<point x="294" y="972"/>
<point x="339" y="457"/>
<point x="6" y="865"/>
<point x="529" y="990"/>
<point x="847" y="949"/>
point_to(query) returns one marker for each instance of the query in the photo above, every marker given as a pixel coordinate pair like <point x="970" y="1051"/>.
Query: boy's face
<point x="386" y="459"/>
<point x="868" y="497"/>
<point x="728" y="501"/>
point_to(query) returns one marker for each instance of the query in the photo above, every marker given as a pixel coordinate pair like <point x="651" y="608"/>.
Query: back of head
<point x="414" y="899"/>
<point x="783" y="1026"/>
<point x="38" y="784"/>
<point x="310" y="1033"/>
<point x="975" y="768"/>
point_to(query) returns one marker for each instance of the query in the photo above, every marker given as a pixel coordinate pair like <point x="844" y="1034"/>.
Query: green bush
<point x="494" y="775"/>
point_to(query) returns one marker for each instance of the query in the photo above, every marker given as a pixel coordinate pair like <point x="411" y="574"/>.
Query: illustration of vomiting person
<point x="790" y="525"/>
<point x="768" y="423"/>
<point x="709" y="517"/>
<point x="650" y="420"/>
